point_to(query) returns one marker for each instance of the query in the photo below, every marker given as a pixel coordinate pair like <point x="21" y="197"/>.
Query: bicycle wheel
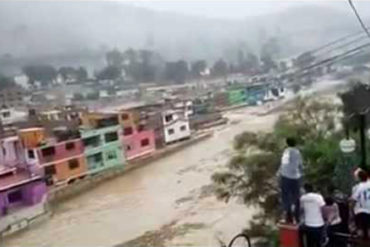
<point x="240" y="240"/>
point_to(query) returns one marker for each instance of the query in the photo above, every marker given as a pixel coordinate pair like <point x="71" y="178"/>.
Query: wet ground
<point x="167" y="203"/>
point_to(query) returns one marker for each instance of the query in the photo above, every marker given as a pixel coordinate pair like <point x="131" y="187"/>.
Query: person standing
<point x="333" y="222"/>
<point x="290" y="173"/>
<point x="313" y="221"/>
<point x="361" y="198"/>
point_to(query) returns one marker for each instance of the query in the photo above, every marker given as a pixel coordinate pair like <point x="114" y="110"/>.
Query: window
<point x="144" y="142"/>
<point x="48" y="151"/>
<point x="128" y="147"/>
<point x="70" y="145"/>
<point x="140" y="128"/>
<point x="124" y="116"/>
<point x="111" y="155"/>
<point x="93" y="141"/>
<point x="50" y="170"/>
<point x="127" y="131"/>
<point x="15" y="196"/>
<point x="111" y="137"/>
<point x="31" y="154"/>
<point x="6" y="114"/>
<point x="183" y="128"/>
<point x="73" y="164"/>
<point x="171" y="131"/>
<point x="168" y="118"/>
<point x="98" y="157"/>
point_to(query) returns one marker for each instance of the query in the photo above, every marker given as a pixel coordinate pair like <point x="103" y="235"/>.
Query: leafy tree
<point x="6" y="82"/>
<point x="67" y="73"/>
<point x="220" y="68"/>
<point x="114" y="58"/>
<point x="141" y="65"/>
<point x="78" y="96"/>
<point x="177" y="71"/>
<point x="81" y="74"/>
<point x="251" y="174"/>
<point x="109" y="73"/>
<point x="268" y="63"/>
<point x="45" y="74"/>
<point x="93" y="96"/>
<point x="197" y="67"/>
<point x="252" y="63"/>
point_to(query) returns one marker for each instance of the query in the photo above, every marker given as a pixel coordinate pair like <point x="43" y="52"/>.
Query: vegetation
<point x="251" y="172"/>
<point x="6" y="82"/>
<point x="45" y="74"/>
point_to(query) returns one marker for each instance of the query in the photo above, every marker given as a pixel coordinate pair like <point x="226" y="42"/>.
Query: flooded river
<point x="167" y="202"/>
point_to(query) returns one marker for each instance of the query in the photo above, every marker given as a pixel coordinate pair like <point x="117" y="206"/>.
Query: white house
<point x="10" y="116"/>
<point x="186" y="106"/>
<point x="175" y="126"/>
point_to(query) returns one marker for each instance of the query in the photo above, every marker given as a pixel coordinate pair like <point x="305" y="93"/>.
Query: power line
<point x="359" y="17"/>
<point x="322" y="47"/>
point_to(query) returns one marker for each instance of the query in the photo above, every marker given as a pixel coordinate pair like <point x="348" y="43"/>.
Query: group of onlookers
<point x="320" y="219"/>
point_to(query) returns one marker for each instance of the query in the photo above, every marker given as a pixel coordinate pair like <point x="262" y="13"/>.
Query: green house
<point x="103" y="148"/>
<point x="236" y="96"/>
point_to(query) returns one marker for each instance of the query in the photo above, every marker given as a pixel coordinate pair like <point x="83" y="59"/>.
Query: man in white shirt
<point x="361" y="197"/>
<point x="313" y="220"/>
<point x="290" y="174"/>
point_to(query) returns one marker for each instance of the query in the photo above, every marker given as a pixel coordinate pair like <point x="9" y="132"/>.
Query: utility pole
<point x="363" y="140"/>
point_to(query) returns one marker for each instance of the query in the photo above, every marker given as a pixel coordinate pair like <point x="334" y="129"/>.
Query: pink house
<point x="138" y="142"/>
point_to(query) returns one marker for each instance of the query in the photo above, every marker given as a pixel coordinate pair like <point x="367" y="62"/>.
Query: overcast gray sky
<point x="234" y="9"/>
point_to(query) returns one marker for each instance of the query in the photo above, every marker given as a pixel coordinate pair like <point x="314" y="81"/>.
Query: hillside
<point x="80" y="32"/>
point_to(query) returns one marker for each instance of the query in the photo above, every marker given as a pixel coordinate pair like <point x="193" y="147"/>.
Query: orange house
<point x="62" y="162"/>
<point x="32" y="137"/>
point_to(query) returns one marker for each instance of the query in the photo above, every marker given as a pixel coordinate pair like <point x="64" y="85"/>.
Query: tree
<point x="67" y="73"/>
<point x="177" y="71"/>
<point x="114" y="58"/>
<point x="81" y="74"/>
<point x="45" y="74"/>
<point x="252" y="63"/>
<point x="268" y="63"/>
<point x="251" y="173"/>
<point x="142" y="65"/>
<point x="6" y="82"/>
<point x="109" y="73"/>
<point x="78" y="97"/>
<point x="220" y="68"/>
<point x="197" y="67"/>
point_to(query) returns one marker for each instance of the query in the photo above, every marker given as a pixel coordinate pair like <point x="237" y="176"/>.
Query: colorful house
<point x="236" y="96"/>
<point x="22" y="188"/>
<point x="103" y="148"/>
<point x="255" y="94"/>
<point x="61" y="162"/>
<point x="176" y="125"/>
<point x="137" y="139"/>
<point x="22" y="198"/>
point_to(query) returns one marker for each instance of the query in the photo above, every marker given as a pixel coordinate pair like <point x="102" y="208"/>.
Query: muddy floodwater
<point x="166" y="203"/>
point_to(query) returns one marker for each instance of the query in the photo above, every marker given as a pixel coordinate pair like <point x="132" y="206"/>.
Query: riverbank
<point x="58" y="194"/>
<point x="170" y="200"/>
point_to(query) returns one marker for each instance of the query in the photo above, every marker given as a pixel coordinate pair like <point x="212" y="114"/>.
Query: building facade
<point x="103" y="148"/>
<point x="138" y="138"/>
<point x="175" y="126"/>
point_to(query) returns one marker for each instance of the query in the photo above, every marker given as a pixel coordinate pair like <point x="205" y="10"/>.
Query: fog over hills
<point x="80" y="32"/>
